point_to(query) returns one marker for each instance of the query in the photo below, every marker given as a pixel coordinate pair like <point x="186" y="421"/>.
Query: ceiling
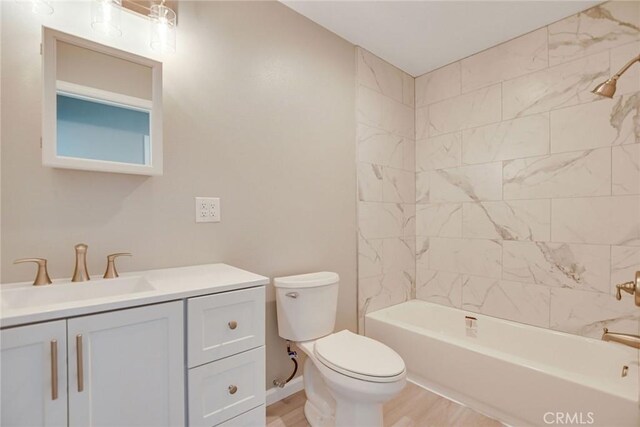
<point x="420" y="36"/>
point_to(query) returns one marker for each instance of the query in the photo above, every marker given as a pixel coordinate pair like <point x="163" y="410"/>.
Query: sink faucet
<point x="626" y="339"/>
<point x="42" y="277"/>
<point x="80" y="273"/>
<point x="111" y="265"/>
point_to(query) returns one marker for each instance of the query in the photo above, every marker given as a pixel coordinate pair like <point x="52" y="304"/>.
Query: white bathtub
<point x="519" y="374"/>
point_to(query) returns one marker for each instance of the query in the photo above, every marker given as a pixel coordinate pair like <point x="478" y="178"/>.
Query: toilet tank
<point x="306" y="305"/>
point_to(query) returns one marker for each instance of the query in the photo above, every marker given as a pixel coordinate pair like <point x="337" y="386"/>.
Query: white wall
<point x="258" y="110"/>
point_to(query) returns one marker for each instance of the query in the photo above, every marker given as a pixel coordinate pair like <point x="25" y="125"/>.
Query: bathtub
<point x="518" y="374"/>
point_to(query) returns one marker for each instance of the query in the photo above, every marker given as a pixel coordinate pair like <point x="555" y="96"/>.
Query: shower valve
<point x="632" y="287"/>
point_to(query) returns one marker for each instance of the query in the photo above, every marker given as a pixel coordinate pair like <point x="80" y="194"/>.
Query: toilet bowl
<point x="347" y="377"/>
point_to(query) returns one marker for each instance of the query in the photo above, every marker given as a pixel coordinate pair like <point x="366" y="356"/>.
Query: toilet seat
<point x="359" y="357"/>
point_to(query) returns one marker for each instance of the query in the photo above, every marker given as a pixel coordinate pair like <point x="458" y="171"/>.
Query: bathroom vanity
<point x="171" y="347"/>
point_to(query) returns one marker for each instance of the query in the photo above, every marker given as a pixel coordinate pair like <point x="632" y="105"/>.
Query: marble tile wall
<point x="385" y="135"/>
<point x="527" y="185"/>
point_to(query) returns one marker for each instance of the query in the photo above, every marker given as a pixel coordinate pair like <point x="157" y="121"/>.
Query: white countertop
<point x="166" y="285"/>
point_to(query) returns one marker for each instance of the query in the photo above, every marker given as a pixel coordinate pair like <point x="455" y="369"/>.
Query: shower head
<point x="608" y="88"/>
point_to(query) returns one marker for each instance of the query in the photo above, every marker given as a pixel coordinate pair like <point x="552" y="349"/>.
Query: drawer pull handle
<point x="233" y="324"/>
<point x="292" y="294"/>
<point x="232" y="389"/>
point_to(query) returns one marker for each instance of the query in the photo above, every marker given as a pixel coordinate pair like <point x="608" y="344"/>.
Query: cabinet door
<point x="126" y="368"/>
<point x="33" y="363"/>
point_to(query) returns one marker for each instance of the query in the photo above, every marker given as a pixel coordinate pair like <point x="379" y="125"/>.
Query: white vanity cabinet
<point x="226" y="357"/>
<point x="190" y="351"/>
<point x="33" y="364"/>
<point x="124" y="368"/>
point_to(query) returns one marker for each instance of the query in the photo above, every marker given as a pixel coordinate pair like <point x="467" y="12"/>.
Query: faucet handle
<point x="632" y="287"/>
<point x="629" y="287"/>
<point x="42" y="276"/>
<point x="111" y="271"/>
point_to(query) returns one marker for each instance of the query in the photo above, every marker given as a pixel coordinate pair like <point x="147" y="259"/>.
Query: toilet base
<point x="338" y="406"/>
<point x="315" y="417"/>
<point x="358" y="415"/>
<point x="353" y="414"/>
<point x="320" y="407"/>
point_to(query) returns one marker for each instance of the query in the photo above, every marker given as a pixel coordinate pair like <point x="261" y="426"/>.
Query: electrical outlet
<point x="207" y="209"/>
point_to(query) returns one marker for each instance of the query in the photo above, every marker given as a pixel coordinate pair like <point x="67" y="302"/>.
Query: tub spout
<point x="626" y="339"/>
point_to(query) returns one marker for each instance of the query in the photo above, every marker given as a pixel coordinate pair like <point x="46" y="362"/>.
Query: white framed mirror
<point x="102" y="107"/>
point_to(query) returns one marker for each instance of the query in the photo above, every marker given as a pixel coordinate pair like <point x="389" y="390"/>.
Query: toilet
<point x="347" y="377"/>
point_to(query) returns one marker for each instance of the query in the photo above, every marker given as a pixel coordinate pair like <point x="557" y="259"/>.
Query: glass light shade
<point x="163" y="28"/>
<point x="105" y="17"/>
<point x="40" y="7"/>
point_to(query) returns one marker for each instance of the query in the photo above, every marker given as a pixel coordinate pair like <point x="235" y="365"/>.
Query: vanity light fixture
<point x="608" y="88"/>
<point x="39" y="7"/>
<point x="105" y="17"/>
<point x="163" y="28"/>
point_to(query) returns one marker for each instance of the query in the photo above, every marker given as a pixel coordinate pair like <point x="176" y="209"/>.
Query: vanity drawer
<point x="221" y="390"/>
<point x="254" y="418"/>
<point x="224" y="324"/>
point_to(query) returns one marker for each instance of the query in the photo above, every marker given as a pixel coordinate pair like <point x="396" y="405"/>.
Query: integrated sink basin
<point x="23" y="297"/>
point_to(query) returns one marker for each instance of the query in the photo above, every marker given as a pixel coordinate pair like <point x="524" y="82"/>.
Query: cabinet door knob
<point x="233" y="324"/>
<point x="232" y="389"/>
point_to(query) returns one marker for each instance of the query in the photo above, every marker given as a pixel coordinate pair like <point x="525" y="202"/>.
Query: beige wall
<point x="259" y="111"/>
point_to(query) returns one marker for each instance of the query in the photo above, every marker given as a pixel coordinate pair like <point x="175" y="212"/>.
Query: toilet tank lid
<point x="310" y="280"/>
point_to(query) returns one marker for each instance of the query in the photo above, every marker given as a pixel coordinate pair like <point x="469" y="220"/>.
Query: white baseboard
<point x="276" y="394"/>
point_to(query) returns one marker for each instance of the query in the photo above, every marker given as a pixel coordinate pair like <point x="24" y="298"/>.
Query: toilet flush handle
<point x="292" y="294"/>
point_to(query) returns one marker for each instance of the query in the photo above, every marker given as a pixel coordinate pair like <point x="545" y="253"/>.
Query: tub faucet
<point x="80" y="273"/>
<point x="626" y="339"/>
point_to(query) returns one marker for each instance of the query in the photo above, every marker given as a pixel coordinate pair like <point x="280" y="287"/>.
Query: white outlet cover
<point x="207" y="209"/>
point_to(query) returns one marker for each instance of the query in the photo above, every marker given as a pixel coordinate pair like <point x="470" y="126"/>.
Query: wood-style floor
<point x="414" y="407"/>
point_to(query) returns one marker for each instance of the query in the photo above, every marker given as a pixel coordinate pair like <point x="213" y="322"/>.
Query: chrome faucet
<point x="626" y="339"/>
<point x="80" y="273"/>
